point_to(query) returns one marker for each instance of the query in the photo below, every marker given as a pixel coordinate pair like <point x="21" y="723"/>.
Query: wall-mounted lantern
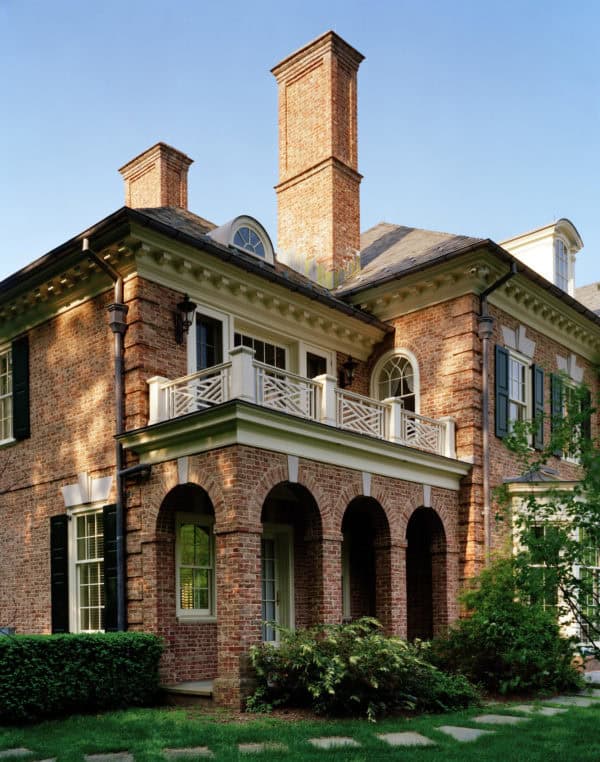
<point x="184" y="318"/>
<point x="347" y="372"/>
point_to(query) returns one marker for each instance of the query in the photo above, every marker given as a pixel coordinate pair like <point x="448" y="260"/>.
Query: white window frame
<point x="326" y="354"/>
<point x="526" y="404"/>
<point x="594" y="568"/>
<point x="562" y="265"/>
<point x="266" y="340"/>
<point x="407" y="355"/>
<point x="224" y="318"/>
<point x="204" y="615"/>
<point x="74" y="592"/>
<point x="283" y="537"/>
<point x="7" y="350"/>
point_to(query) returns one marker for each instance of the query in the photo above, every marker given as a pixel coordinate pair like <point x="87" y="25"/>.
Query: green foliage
<point x="53" y="675"/>
<point x="507" y="645"/>
<point x="557" y="531"/>
<point x="352" y="669"/>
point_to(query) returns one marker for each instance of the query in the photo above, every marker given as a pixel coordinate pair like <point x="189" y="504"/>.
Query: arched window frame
<point x="408" y="355"/>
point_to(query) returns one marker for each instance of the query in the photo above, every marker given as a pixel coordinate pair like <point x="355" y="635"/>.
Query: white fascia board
<point x="255" y="426"/>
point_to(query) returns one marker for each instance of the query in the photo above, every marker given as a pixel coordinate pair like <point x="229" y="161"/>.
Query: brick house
<point x="301" y="436"/>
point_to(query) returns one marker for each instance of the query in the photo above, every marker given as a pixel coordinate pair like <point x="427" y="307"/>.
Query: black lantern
<point x="347" y="372"/>
<point x="183" y="318"/>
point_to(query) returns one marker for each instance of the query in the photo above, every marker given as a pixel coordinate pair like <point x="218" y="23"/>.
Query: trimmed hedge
<point x="52" y="675"/>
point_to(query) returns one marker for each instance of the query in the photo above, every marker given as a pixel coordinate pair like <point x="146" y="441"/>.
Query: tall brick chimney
<point x="318" y="190"/>
<point x="157" y="177"/>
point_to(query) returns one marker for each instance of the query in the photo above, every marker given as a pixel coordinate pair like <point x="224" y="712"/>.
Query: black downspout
<point x="118" y="324"/>
<point x="486" y="329"/>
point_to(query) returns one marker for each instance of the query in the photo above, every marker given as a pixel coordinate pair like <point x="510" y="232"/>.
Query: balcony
<point x="318" y="399"/>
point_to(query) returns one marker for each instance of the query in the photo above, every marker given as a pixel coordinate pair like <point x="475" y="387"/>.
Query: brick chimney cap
<point x="328" y="41"/>
<point x="158" y="148"/>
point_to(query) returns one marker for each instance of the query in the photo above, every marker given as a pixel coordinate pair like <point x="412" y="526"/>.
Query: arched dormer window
<point x="245" y="234"/>
<point x="561" y="264"/>
<point x="396" y="374"/>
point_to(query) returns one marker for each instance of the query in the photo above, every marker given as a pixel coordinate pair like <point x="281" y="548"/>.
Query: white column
<point x="449" y="443"/>
<point x="395" y="410"/>
<point x="243" y="382"/>
<point x="327" y="414"/>
<point x="158" y="400"/>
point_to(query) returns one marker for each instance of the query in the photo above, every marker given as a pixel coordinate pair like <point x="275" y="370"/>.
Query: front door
<point x="276" y="582"/>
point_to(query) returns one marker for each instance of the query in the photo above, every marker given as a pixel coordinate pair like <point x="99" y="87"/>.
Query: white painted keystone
<point x="499" y="719"/>
<point x="332" y="742"/>
<point x="259" y="748"/>
<point x="408" y="738"/>
<point x="463" y="734"/>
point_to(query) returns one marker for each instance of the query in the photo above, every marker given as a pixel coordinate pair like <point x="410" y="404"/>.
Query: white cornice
<point x="242" y="423"/>
<point x="230" y="289"/>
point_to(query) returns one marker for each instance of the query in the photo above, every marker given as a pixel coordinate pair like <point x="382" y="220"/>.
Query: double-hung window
<point x="89" y="571"/>
<point x="6" y="400"/>
<point x="561" y="265"/>
<point x="264" y="351"/>
<point x="195" y="565"/>
<point x="517" y="390"/>
<point x="543" y="565"/>
<point x="589" y="575"/>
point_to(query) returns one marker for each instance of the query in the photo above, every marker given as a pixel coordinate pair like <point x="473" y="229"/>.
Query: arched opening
<point x="366" y="574"/>
<point x="291" y="560"/>
<point x="186" y="581"/>
<point x="426" y="576"/>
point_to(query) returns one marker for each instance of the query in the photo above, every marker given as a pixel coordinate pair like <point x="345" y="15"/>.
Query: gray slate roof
<point x="589" y="296"/>
<point x="389" y="250"/>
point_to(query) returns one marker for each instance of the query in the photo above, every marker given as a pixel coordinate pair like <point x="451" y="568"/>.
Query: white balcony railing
<point x="317" y="399"/>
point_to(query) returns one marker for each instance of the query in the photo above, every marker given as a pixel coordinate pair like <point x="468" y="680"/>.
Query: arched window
<point x="396" y="375"/>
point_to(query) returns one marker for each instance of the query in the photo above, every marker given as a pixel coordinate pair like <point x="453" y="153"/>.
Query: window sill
<point x="196" y="619"/>
<point x="7" y="442"/>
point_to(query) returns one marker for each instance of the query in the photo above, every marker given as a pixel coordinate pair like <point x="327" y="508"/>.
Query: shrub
<point x="51" y="675"/>
<point x="507" y="645"/>
<point x="351" y="669"/>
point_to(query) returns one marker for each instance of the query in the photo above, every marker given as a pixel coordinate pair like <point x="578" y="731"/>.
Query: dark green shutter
<point x="20" y="373"/>
<point x="59" y="573"/>
<point x="586" y="409"/>
<point x="537" y="377"/>
<point x="110" y="567"/>
<point x="556" y="408"/>
<point x="501" y="391"/>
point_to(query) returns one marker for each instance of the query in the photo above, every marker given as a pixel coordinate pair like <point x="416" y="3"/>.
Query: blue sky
<point x="480" y="117"/>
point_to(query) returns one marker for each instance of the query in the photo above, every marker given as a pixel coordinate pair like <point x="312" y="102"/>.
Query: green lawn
<point x="574" y="736"/>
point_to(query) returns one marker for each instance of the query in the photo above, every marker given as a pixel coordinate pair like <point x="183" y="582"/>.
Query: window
<point x="248" y="239"/>
<point x="544" y="575"/>
<point x="397" y="377"/>
<point x="195" y="561"/>
<point x="6" y="412"/>
<point x="89" y="571"/>
<point x="517" y="390"/>
<point x="209" y="342"/>
<point x="264" y="351"/>
<point x="561" y="265"/>
<point x="589" y="575"/>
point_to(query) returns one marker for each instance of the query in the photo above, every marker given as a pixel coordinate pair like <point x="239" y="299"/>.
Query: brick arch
<point x="274" y="475"/>
<point x="201" y="477"/>
<point x="380" y="495"/>
<point x="444" y="515"/>
<point x="326" y="509"/>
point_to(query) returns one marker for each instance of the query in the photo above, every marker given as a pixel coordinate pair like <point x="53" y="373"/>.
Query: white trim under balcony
<point x="318" y="400"/>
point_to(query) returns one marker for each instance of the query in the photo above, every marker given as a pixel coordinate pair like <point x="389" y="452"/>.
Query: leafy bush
<point x="351" y="669"/>
<point x="507" y="645"/>
<point x="50" y="675"/>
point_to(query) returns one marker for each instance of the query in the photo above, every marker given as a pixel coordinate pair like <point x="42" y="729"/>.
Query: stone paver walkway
<point x="499" y="719"/>
<point x="463" y="734"/>
<point x="332" y="742"/>
<point x="408" y="738"/>
<point x="571" y="701"/>
<point x="117" y="756"/>
<point x="545" y="711"/>
<point x="20" y="752"/>
<point x="188" y="752"/>
<point x="259" y="748"/>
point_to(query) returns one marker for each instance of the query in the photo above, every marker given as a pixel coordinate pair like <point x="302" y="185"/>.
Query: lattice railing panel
<point x="198" y="390"/>
<point x="286" y="392"/>
<point x="360" y="414"/>
<point x="424" y="433"/>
